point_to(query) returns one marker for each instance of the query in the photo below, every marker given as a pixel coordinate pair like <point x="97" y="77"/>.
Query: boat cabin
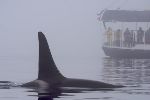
<point x="126" y="30"/>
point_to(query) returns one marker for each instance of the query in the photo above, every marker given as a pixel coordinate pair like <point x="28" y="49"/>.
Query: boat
<point x="134" y="23"/>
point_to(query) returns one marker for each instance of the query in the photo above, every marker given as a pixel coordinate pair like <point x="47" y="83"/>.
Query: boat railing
<point x="127" y="38"/>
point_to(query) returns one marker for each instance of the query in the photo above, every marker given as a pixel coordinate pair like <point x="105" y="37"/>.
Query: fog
<point x="71" y="27"/>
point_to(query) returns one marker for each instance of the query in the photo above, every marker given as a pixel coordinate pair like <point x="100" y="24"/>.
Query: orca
<point x="50" y="77"/>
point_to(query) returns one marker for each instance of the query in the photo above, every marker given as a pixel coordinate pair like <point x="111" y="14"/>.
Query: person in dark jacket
<point x="147" y="36"/>
<point x="118" y="37"/>
<point x="127" y="38"/>
<point x="140" y="35"/>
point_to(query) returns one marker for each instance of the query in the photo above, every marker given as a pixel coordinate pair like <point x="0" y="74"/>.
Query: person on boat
<point x="147" y="36"/>
<point x="109" y="34"/>
<point x="140" y="35"/>
<point x="127" y="38"/>
<point x="118" y="37"/>
<point x="132" y="39"/>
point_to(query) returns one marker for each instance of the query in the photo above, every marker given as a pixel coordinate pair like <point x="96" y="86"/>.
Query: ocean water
<point x="132" y="73"/>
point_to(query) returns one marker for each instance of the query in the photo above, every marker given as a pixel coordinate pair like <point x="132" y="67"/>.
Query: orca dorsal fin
<point x="47" y="68"/>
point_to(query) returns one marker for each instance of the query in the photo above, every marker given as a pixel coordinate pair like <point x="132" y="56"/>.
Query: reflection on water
<point x="66" y="92"/>
<point x="126" y="71"/>
<point x="49" y="93"/>
<point x="45" y="98"/>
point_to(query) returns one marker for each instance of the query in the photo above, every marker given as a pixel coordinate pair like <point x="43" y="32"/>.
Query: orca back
<point x="47" y="68"/>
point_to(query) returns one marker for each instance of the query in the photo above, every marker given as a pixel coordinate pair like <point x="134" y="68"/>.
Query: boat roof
<point x="125" y="16"/>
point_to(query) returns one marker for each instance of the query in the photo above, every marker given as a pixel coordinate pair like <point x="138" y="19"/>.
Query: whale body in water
<point x="50" y="77"/>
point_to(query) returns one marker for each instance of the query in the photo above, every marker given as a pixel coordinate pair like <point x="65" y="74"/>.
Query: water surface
<point x="133" y="73"/>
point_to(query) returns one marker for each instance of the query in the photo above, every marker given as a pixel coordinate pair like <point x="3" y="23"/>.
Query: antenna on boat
<point x="118" y="3"/>
<point x="122" y="3"/>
